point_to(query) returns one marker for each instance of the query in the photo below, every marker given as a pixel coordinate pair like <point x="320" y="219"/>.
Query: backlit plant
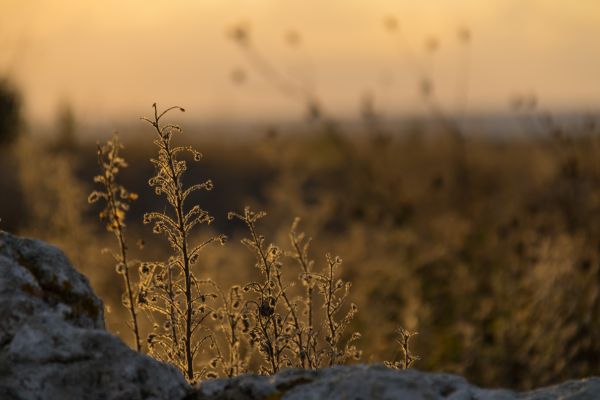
<point x="117" y="200"/>
<point x="176" y="294"/>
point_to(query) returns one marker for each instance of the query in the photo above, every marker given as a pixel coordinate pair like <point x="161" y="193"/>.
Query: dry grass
<point x="472" y="259"/>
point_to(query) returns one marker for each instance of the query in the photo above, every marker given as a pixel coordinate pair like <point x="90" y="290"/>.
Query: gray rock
<point x="53" y="345"/>
<point x="364" y="382"/>
<point x="52" y="339"/>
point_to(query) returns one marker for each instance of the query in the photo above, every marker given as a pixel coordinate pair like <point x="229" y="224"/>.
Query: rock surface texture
<point x="365" y="382"/>
<point x="53" y="345"/>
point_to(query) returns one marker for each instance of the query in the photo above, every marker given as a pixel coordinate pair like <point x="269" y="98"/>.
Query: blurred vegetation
<point x="487" y="245"/>
<point x="10" y="112"/>
<point x="10" y="126"/>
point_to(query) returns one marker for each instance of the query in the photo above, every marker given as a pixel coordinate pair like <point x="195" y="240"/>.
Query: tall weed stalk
<point x="179" y="298"/>
<point x="117" y="201"/>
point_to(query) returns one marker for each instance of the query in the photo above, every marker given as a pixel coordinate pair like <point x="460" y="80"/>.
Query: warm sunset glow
<point x="116" y="57"/>
<point x="324" y="193"/>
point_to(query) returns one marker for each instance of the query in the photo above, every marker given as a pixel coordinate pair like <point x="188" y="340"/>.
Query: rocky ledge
<point x="53" y="345"/>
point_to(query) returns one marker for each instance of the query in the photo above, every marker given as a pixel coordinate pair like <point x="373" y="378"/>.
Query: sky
<point x="112" y="59"/>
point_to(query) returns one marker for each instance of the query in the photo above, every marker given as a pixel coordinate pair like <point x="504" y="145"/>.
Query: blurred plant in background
<point x="300" y="88"/>
<point x="11" y="126"/>
<point x="10" y="112"/>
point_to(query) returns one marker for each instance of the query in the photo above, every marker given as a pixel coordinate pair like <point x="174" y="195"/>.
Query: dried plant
<point x="117" y="200"/>
<point x="172" y="290"/>
<point x="408" y="359"/>
<point x="272" y="330"/>
<point x="334" y="293"/>
<point x="292" y="317"/>
<point x="282" y="326"/>
<point x="307" y="343"/>
<point x="233" y="323"/>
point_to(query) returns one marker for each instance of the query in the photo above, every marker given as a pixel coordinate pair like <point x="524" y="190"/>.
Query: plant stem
<point x="123" y="254"/>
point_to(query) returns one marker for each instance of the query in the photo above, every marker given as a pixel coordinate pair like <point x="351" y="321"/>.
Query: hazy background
<point x="487" y="244"/>
<point x="111" y="59"/>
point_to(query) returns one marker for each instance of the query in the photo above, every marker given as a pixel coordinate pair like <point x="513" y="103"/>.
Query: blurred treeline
<point x="488" y="246"/>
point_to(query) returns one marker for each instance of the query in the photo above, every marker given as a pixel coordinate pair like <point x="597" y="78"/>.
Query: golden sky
<point x="111" y="59"/>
